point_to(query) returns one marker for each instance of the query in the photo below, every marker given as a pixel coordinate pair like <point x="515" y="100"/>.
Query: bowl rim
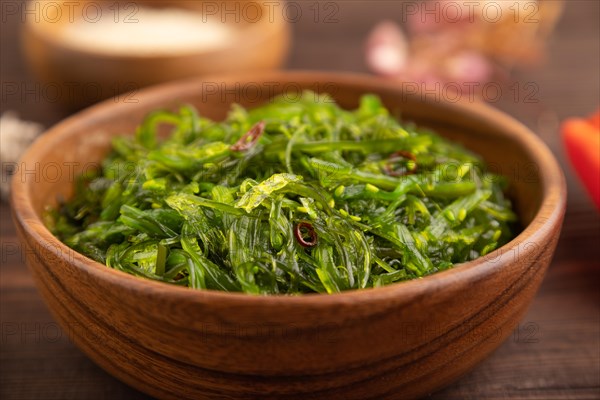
<point x="548" y="216"/>
<point x="253" y="34"/>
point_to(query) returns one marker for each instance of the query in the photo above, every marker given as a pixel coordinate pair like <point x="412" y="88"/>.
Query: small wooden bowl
<point x="76" y="77"/>
<point x="400" y="341"/>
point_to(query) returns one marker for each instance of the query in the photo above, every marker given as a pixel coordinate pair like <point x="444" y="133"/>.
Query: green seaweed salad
<point x="292" y="197"/>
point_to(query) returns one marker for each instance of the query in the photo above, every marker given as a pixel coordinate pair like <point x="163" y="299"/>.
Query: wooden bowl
<point x="400" y="341"/>
<point x="76" y="77"/>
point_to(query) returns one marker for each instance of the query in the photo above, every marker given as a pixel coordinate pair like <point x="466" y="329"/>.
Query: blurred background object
<point x="15" y="136"/>
<point x="462" y="43"/>
<point x="582" y="144"/>
<point x="95" y="50"/>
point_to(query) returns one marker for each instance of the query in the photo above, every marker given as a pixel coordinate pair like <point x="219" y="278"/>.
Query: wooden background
<point x="553" y="354"/>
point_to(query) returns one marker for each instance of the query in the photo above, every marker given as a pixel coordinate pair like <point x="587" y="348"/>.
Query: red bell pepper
<point x="581" y="138"/>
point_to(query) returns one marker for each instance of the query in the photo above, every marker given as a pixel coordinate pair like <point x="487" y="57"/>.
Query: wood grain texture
<point x="554" y="352"/>
<point x="174" y="342"/>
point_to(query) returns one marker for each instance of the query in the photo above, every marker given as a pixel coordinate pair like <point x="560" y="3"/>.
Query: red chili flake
<point x="249" y="138"/>
<point x="402" y="154"/>
<point x="305" y="234"/>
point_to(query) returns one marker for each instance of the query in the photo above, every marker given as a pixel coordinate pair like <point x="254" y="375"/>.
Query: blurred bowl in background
<point x="86" y="51"/>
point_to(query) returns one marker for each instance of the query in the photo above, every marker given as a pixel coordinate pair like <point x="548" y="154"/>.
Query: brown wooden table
<point x="553" y="354"/>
